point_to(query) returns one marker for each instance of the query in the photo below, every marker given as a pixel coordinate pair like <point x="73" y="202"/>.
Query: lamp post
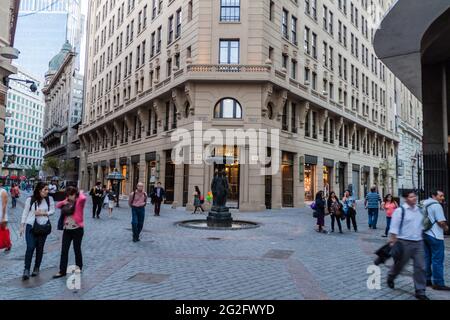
<point x="33" y="86"/>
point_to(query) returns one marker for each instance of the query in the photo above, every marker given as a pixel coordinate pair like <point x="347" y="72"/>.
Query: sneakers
<point x="390" y="283"/>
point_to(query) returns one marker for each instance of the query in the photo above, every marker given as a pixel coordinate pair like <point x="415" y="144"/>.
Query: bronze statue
<point x="220" y="189"/>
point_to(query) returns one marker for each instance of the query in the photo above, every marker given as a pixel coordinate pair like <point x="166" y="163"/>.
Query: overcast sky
<point x="84" y="10"/>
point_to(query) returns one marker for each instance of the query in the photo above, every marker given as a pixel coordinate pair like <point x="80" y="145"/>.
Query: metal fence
<point x="435" y="169"/>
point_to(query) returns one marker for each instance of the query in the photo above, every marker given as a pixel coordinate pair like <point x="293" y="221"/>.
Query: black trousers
<point x="338" y="220"/>
<point x="76" y="236"/>
<point x="157" y="206"/>
<point x="96" y="207"/>
<point x="351" y="217"/>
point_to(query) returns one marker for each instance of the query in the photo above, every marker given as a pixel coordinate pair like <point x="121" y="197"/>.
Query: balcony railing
<point x="227" y="68"/>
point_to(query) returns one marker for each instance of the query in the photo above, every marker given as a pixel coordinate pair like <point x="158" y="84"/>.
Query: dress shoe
<point x="35" y="272"/>
<point x="26" y="275"/>
<point x="391" y="283"/>
<point x="422" y="297"/>
<point x="429" y="283"/>
<point x="441" y="288"/>
<point x="59" y="275"/>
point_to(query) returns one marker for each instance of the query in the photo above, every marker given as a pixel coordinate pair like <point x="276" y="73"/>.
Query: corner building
<point x="306" y="68"/>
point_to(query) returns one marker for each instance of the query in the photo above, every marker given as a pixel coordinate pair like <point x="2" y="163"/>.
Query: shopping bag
<point x="5" y="238"/>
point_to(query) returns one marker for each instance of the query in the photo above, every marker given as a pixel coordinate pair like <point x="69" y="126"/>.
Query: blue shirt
<point x="373" y="199"/>
<point x="349" y="203"/>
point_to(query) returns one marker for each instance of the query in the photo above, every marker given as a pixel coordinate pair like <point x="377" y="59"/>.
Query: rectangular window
<point x="153" y="43"/>
<point x="271" y="10"/>
<point x="307" y="43"/>
<point x="284" y="25"/>
<point x="229" y="52"/>
<point x="158" y="48"/>
<point x="314" y="81"/>
<point x="293" y="117"/>
<point x="294" y="30"/>
<point x="230" y="10"/>
<point x="294" y="69"/>
<point x="178" y="22"/>
<point x="170" y="28"/>
<point x="314" y="45"/>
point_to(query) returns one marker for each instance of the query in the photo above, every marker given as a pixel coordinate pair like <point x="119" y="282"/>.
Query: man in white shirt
<point x="434" y="241"/>
<point x="407" y="241"/>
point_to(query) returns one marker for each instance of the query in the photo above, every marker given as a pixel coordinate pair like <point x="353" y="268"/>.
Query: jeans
<point x="137" y="221"/>
<point x="157" y="206"/>
<point x="388" y="224"/>
<point x="434" y="259"/>
<point x="373" y="217"/>
<point x="411" y="250"/>
<point x="33" y="243"/>
<point x="338" y="220"/>
<point x="14" y="202"/>
<point x="351" y="217"/>
<point x="75" y="235"/>
<point x="97" y="207"/>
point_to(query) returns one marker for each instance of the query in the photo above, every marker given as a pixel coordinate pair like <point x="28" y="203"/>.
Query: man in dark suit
<point x="158" y="196"/>
<point x="97" y="200"/>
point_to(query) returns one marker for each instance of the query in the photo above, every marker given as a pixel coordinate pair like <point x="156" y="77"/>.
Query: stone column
<point x="277" y="185"/>
<point x="178" y="188"/>
<point x="299" y="187"/>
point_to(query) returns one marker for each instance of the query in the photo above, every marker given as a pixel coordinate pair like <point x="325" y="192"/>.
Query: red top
<point x="390" y="208"/>
<point x="78" y="215"/>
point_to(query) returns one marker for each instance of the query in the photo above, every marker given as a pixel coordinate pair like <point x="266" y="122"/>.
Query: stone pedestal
<point x="219" y="218"/>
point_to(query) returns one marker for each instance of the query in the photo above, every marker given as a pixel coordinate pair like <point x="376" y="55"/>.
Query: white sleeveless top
<point x="1" y="205"/>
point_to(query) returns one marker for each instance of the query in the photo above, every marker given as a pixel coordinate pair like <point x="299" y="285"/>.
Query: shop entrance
<point x="169" y="183"/>
<point x="287" y="172"/>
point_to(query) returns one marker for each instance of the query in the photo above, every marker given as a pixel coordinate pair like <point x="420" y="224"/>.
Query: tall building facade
<point x="8" y="21"/>
<point x="63" y="92"/>
<point x="42" y="26"/>
<point x="24" y="123"/>
<point x="306" y="68"/>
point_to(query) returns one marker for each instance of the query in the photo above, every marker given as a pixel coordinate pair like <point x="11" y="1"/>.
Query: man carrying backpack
<point x="137" y="201"/>
<point x="434" y="240"/>
<point x="406" y="240"/>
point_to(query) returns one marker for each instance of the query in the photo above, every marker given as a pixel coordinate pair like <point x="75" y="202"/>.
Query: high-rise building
<point x="24" y="122"/>
<point x="8" y="20"/>
<point x="43" y="25"/>
<point x="306" y="68"/>
<point x="63" y="92"/>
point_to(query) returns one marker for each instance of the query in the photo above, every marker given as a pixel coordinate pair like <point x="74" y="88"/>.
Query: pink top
<point x="78" y="215"/>
<point x="139" y="201"/>
<point x="390" y="208"/>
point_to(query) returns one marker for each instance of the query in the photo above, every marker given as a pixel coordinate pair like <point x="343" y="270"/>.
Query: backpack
<point x="427" y="224"/>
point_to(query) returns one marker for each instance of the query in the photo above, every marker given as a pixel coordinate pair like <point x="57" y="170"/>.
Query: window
<point x="230" y="10"/>
<point x="229" y="52"/>
<point x="314" y="81"/>
<point x="158" y="48"/>
<point x="294" y="69"/>
<point x="271" y="10"/>
<point x="314" y="9"/>
<point x="228" y="109"/>
<point x="170" y="33"/>
<point x="178" y="22"/>
<point x="314" y="45"/>
<point x="307" y="43"/>
<point x="284" y="26"/>
<point x="294" y="29"/>
<point x="284" y="121"/>
<point x="190" y="10"/>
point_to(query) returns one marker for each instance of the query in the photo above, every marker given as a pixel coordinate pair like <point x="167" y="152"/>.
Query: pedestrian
<point x="72" y="213"/>
<point x="349" y="207"/>
<point x="137" y="201"/>
<point x="15" y="193"/>
<point x="105" y="199"/>
<point x="198" y="200"/>
<point x="372" y="204"/>
<point x="97" y="200"/>
<point x="389" y="205"/>
<point x="406" y="241"/>
<point x="4" y="210"/>
<point x="434" y="241"/>
<point x="158" y="196"/>
<point x="111" y="197"/>
<point x="36" y="225"/>
<point x="320" y="205"/>
<point x="52" y="189"/>
<point x="335" y="209"/>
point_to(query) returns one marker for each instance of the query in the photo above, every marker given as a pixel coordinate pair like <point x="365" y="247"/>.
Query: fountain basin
<point x="203" y="225"/>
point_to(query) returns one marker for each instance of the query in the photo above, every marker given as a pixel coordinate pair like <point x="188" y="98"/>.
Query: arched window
<point x="228" y="109"/>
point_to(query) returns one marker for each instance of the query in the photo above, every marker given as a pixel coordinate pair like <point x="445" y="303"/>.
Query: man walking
<point x="407" y="243"/>
<point x="137" y="201"/>
<point x="434" y="241"/>
<point x="372" y="204"/>
<point x="97" y="200"/>
<point x="158" y="196"/>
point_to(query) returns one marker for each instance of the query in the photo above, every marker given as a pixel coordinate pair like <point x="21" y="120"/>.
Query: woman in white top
<point x="3" y="208"/>
<point x="37" y="210"/>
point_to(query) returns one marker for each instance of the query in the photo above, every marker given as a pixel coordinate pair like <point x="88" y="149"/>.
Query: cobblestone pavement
<point x="172" y="262"/>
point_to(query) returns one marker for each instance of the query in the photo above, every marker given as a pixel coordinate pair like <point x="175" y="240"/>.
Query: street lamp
<point x="33" y="86"/>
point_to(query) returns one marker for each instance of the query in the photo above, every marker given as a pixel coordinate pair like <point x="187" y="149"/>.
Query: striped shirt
<point x="373" y="199"/>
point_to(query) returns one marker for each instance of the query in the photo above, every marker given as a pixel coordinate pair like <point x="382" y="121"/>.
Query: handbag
<point x="42" y="229"/>
<point x="315" y="214"/>
<point x="5" y="238"/>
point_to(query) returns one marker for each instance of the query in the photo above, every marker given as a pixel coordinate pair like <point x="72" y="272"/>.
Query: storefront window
<point x="326" y="180"/>
<point x="310" y="177"/>
<point x="124" y="182"/>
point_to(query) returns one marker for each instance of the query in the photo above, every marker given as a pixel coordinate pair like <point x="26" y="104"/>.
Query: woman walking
<point x="111" y="201"/>
<point x="72" y="211"/>
<point x="36" y="225"/>
<point x="389" y="206"/>
<point x="15" y="193"/>
<point x="320" y="209"/>
<point x="350" y="210"/>
<point x="334" y="207"/>
<point x="198" y="200"/>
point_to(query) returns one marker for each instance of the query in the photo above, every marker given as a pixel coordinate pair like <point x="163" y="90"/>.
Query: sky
<point x="84" y="10"/>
